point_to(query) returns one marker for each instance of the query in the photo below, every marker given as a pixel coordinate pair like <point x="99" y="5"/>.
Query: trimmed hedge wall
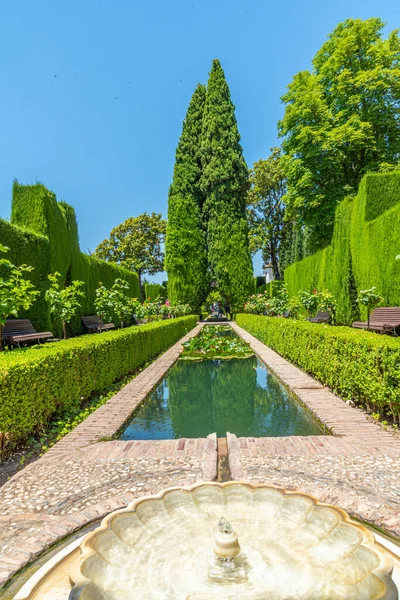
<point x="360" y="366"/>
<point x="365" y="243"/>
<point x="43" y="233"/>
<point x="35" y="382"/>
<point x="153" y="290"/>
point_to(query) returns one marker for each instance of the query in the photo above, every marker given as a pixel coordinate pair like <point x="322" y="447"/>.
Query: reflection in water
<point x="199" y="398"/>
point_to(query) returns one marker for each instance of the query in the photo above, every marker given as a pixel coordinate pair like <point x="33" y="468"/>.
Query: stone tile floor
<point x="82" y="479"/>
<point x="52" y="498"/>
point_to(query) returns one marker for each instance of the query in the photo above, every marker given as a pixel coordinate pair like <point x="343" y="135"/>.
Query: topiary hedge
<point x="153" y="290"/>
<point x="360" y="366"/>
<point x="43" y="233"/>
<point x="35" y="382"/>
<point x="365" y="243"/>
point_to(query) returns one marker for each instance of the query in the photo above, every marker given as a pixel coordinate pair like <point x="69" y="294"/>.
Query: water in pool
<point x="199" y="398"/>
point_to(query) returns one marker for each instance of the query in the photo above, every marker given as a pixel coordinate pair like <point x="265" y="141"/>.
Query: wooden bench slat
<point x="93" y="322"/>
<point x="22" y="330"/>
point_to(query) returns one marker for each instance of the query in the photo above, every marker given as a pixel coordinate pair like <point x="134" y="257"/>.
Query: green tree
<point x="123" y="306"/>
<point x="114" y="302"/>
<point x="224" y="184"/>
<point x="137" y="245"/>
<point x="341" y="120"/>
<point x="63" y="303"/>
<point x="16" y="292"/>
<point x="185" y="248"/>
<point x="266" y="210"/>
<point x="104" y="305"/>
<point x="370" y="298"/>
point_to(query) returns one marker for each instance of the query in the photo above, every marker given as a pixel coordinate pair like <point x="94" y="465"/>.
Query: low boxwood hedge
<point x="358" y="365"/>
<point x="35" y="382"/>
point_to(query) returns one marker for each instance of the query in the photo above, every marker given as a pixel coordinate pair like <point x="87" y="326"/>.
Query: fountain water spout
<point x="226" y="541"/>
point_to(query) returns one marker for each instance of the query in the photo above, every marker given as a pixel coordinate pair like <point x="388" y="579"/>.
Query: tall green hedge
<point x="35" y="382"/>
<point x="43" y="233"/>
<point x="360" y="366"/>
<point x="153" y="290"/>
<point x="365" y="243"/>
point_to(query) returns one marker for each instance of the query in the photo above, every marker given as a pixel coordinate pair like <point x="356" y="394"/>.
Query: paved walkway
<point x="81" y="479"/>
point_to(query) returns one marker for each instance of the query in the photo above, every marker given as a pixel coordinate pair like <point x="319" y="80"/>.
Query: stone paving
<point x="357" y="469"/>
<point x="81" y="478"/>
<point x="53" y="498"/>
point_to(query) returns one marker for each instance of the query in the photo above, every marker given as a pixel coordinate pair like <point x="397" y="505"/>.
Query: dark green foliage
<point x="224" y="183"/>
<point x="363" y="251"/>
<point x="155" y="290"/>
<point x="360" y="366"/>
<point x="36" y="382"/>
<point x="185" y="249"/>
<point x="259" y="280"/>
<point x="43" y="233"/>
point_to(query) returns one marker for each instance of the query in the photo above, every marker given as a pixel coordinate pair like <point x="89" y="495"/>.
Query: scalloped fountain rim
<point x="383" y="571"/>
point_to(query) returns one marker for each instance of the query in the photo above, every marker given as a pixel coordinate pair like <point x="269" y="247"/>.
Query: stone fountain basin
<point x="292" y="547"/>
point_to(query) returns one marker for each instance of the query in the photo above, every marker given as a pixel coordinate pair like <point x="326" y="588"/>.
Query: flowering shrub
<point x="261" y="304"/>
<point x="158" y="309"/>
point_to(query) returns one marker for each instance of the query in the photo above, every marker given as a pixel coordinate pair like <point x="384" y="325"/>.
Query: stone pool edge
<point x="338" y="417"/>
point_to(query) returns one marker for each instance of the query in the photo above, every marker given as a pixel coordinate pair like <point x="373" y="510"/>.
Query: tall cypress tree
<point x="185" y="250"/>
<point x="224" y="183"/>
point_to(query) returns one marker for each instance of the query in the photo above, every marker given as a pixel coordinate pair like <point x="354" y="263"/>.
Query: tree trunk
<point x="139" y="274"/>
<point x="369" y="313"/>
<point x="100" y="322"/>
<point x="1" y="338"/>
<point x="64" y="330"/>
<point x="275" y="266"/>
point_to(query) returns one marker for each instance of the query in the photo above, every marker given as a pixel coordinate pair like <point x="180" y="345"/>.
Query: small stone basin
<point x="291" y="547"/>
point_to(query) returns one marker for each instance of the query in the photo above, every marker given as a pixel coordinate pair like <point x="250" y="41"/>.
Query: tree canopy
<point x="185" y="248"/>
<point x="341" y="120"/>
<point x="224" y="183"/>
<point x="136" y="244"/>
<point x="266" y="209"/>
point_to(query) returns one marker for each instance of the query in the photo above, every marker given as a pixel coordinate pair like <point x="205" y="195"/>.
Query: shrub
<point x="360" y="366"/>
<point x="37" y="381"/>
<point x="63" y="302"/>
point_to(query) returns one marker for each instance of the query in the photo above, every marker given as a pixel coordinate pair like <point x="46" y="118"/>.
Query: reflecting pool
<point x="198" y="398"/>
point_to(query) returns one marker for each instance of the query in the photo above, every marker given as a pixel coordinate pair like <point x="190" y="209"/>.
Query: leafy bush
<point x="369" y="298"/>
<point x="309" y="301"/>
<point x="63" y="302"/>
<point x="37" y="381"/>
<point x="16" y="292"/>
<point x="360" y="366"/>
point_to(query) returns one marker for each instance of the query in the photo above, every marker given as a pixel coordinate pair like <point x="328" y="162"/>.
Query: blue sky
<point x="93" y="92"/>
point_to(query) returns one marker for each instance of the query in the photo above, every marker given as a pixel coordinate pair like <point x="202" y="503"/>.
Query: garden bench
<point x="93" y="324"/>
<point x="385" y="319"/>
<point x="323" y="316"/>
<point x="20" y="331"/>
